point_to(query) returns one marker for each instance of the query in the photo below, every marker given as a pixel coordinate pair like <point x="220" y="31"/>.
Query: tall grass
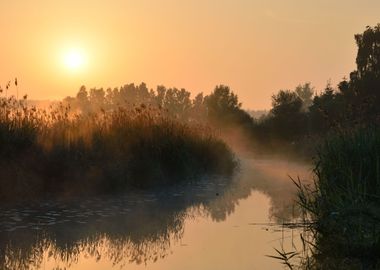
<point x="59" y="152"/>
<point x="343" y="205"/>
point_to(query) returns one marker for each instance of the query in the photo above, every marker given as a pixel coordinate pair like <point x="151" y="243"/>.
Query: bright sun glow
<point x="74" y="59"/>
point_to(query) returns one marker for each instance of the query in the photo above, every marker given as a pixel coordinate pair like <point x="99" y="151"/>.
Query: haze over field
<point x="256" y="47"/>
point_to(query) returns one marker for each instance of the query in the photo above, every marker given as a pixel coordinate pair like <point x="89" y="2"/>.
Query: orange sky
<point x="255" y="46"/>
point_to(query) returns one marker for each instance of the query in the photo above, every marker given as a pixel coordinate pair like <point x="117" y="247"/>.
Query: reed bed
<point x="61" y="152"/>
<point x="342" y="208"/>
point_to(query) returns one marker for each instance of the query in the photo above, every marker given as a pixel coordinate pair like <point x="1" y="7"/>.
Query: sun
<point x="74" y="59"/>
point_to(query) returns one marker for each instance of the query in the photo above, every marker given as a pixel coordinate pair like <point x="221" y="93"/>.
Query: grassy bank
<point x="343" y="206"/>
<point x="61" y="153"/>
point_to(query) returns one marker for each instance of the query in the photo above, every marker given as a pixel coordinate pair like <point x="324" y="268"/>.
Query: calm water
<point x="213" y="224"/>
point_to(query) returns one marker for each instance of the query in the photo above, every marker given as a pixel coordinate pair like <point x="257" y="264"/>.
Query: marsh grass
<point x="342" y="207"/>
<point x="60" y="152"/>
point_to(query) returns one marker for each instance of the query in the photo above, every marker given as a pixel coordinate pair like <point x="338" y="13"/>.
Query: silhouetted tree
<point x="224" y="108"/>
<point x="288" y="118"/>
<point x="82" y="99"/>
<point x="305" y="92"/>
<point x="177" y="102"/>
<point x="327" y="110"/>
<point x="97" y="99"/>
<point x="359" y="97"/>
<point x="161" y="92"/>
<point x="286" y="103"/>
<point x="368" y="57"/>
<point x="198" y="108"/>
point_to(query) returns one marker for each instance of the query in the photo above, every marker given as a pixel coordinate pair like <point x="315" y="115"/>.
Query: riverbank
<point x="61" y="154"/>
<point x="342" y="207"/>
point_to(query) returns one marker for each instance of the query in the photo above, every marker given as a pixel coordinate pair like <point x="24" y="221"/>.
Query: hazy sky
<point x="255" y="46"/>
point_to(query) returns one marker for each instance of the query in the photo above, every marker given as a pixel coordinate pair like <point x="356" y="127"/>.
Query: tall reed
<point x="343" y="205"/>
<point x="60" y="152"/>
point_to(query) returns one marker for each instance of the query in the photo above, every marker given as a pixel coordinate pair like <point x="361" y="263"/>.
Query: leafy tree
<point x="368" y="57"/>
<point x="305" y="92"/>
<point x="83" y="102"/>
<point x="161" y="92"/>
<point x="111" y="98"/>
<point x="286" y="103"/>
<point x="361" y="93"/>
<point x="198" y="108"/>
<point x="177" y="102"/>
<point x="327" y="110"/>
<point x="287" y="116"/>
<point x="224" y="108"/>
<point x="221" y="103"/>
<point x="97" y="99"/>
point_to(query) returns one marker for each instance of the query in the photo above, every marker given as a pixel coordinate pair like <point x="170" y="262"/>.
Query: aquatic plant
<point x="59" y="151"/>
<point x="341" y="208"/>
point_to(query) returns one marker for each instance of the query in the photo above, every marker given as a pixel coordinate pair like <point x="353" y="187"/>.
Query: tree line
<point x="295" y="114"/>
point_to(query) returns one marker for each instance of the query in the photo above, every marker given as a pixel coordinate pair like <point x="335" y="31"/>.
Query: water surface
<point x="212" y="224"/>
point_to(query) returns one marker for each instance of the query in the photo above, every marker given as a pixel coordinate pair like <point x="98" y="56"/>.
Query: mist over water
<point x="213" y="222"/>
<point x="192" y="139"/>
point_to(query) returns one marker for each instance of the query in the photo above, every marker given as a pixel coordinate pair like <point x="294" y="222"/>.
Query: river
<point x="214" y="223"/>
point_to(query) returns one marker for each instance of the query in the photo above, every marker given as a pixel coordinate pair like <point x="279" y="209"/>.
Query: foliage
<point x="305" y="92"/>
<point x="224" y="109"/>
<point x="368" y="56"/>
<point x="342" y="207"/>
<point x="58" y="152"/>
<point x="354" y="103"/>
<point x="341" y="210"/>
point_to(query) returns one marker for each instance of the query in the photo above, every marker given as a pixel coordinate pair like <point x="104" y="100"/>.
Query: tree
<point x="305" y="92"/>
<point x="222" y="101"/>
<point x="97" y="99"/>
<point x="177" y="102"/>
<point x="198" y="108"/>
<point x="328" y="110"/>
<point x="161" y="92"/>
<point x="361" y="93"/>
<point x="286" y="104"/>
<point x="368" y="57"/>
<point x="82" y="100"/>
<point x="224" y="109"/>
<point x="289" y="121"/>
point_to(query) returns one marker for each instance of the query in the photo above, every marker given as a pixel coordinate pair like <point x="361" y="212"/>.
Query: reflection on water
<point x="209" y="221"/>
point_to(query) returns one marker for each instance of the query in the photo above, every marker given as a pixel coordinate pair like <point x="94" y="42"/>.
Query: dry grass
<point x="59" y="152"/>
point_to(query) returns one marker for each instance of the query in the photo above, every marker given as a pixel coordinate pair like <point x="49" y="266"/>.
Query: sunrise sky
<point x="255" y="46"/>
